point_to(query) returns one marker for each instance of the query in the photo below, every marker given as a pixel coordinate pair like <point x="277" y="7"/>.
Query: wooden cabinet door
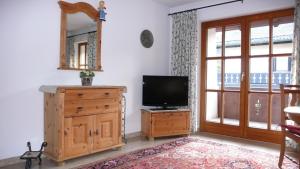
<point x="161" y="125"/>
<point x="180" y="122"/>
<point x="77" y="135"/>
<point x="106" y="130"/>
<point x="164" y="124"/>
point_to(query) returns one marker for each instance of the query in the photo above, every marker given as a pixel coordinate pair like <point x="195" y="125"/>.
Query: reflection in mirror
<point x="81" y="41"/>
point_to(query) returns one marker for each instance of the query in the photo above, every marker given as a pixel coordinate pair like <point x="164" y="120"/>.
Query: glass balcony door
<point x="223" y="77"/>
<point x="243" y="62"/>
<point x="270" y="49"/>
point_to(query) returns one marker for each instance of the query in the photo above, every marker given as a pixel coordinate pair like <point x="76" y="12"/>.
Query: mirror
<point x="81" y="42"/>
<point x="80" y="37"/>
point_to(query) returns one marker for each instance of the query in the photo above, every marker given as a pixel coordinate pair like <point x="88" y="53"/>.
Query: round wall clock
<point x="147" y="38"/>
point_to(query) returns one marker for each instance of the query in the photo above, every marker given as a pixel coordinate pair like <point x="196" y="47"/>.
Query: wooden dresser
<point x="157" y="123"/>
<point x="81" y="120"/>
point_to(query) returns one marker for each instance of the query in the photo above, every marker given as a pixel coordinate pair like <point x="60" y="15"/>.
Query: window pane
<point x="82" y="54"/>
<point x="258" y="110"/>
<point x="232" y="76"/>
<point x="214" y="42"/>
<point x="281" y="72"/>
<point x="259" y="74"/>
<point x="213" y="74"/>
<point x="231" y="113"/>
<point x="233" y="40"/>
<point x="283" y="30"/>
<point x="213" y="100"/>
<point x="259" y="38"/>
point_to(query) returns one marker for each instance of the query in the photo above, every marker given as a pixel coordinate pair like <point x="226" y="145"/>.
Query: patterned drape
<point x="184" y="60"/>
<point x="296" y="46"/>
<point x="91" y="47"/>
<point x="296" y="60"/>
<point x="70" y="51"/>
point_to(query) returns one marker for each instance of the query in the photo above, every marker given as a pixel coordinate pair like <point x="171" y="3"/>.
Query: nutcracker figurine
<point x="102" y="9"/>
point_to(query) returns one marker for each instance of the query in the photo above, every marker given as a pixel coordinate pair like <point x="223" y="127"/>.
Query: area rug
<point x="193" y="153"/>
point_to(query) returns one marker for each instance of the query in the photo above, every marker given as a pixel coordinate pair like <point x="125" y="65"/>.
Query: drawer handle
<point x="106" y="106"/>
<point x="90" y="133"/>
<point x="80" y="94"/>
<point x="106" y="94"/>
<point x="97" y="132"/>
<point x="79" y="108"/>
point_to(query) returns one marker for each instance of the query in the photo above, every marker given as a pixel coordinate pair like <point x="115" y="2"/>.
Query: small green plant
<point x="87" y="73"/>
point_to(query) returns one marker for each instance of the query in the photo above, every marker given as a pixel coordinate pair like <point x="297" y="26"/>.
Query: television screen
<point x="165" y="91"/>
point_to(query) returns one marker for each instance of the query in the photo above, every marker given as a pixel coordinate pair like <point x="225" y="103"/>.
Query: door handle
<point x="242" y="76"/>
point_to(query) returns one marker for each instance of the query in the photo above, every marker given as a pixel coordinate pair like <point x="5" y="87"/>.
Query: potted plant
<point x="87" y="77"/>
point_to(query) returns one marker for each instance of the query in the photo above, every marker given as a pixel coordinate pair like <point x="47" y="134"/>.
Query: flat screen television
<point x="165" y="91"/>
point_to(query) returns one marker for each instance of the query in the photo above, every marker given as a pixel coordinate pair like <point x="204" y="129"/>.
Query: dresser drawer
<point x="91" y="94"/>
<point x="88" y="107"/>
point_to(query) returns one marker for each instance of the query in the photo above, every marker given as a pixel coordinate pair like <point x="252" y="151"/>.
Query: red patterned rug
<point x="193" y="153"/>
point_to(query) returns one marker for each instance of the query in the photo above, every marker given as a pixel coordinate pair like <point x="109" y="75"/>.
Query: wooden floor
<point x="140" y="143"/>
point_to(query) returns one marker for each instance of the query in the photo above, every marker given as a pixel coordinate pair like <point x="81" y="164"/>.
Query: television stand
<point x="164" y="108"/>
<point x="159" y="123"/>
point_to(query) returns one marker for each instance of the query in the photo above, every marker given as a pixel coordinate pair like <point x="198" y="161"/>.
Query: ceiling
<point x="172" y="3"/>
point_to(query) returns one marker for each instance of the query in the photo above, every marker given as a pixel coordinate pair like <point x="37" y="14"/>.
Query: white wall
<point x="29" y="52"/>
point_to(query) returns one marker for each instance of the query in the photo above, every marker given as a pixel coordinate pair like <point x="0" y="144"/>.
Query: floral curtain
<point x="91" y="53"/>
<point x="184" y="60"/>
<point x="296" y="49"/>
<point x="296" y="59"/>
<point x="70" y="51"/>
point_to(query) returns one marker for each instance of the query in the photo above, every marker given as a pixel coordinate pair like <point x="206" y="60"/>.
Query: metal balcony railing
<point x="257" y="80"/>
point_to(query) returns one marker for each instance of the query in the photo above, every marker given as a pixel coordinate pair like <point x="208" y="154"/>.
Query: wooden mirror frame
<point x="71" y="8"/>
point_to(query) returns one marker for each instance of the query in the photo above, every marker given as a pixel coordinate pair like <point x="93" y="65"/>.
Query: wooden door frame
<point x="218" y="128"/>
<point x="255" y="133"/>
<point x="244" y="132"/>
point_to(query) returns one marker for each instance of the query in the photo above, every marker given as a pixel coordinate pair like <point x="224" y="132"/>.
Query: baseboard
<point x="10" y="161"/>
<point x="15" y="160"/>
<point x="131" y="136"/>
